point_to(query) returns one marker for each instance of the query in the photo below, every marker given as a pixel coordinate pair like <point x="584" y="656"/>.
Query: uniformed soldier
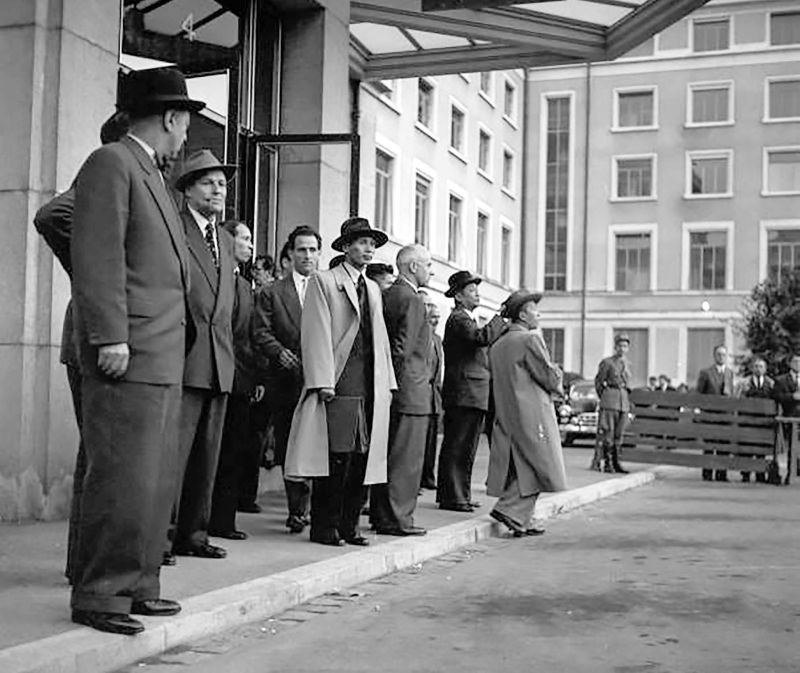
<point x="612" y="386"/>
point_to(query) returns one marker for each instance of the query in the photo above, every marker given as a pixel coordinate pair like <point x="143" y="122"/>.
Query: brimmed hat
<point x="114" y="127"/>
<point x="143" y="92"/>
<point x="459" y="280"/>
<point x="197" y="163"/>
<point x="622" y="336"/>
<point x="358" y="227"/>
<point x="516" y="300"/>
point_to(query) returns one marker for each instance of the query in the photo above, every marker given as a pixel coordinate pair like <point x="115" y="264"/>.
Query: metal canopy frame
<point x="500" y="34"/>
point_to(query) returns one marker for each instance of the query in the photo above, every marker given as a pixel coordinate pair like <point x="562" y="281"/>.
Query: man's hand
<point x="288" y="360"/>
<point x="258" y="393"/>
<point x="112" y="360"/>
<point x="326" y="394"/>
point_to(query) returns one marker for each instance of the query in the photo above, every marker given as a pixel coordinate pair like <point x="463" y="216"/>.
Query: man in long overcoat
<point x="340" y="428"/>
<point x="716" y="380"/>
<point x="130" y="280"/>
<point x="526" y="457"/>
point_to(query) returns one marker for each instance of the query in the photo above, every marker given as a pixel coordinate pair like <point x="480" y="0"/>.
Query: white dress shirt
<point x="301" y="285"/>
<point x="203" y="222"/>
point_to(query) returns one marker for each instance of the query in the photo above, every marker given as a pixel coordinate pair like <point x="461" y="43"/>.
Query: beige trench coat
<point x="525" y="426"/>
<point x="328" y="328"/>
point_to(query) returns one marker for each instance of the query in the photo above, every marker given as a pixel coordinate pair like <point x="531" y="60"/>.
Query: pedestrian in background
<point x="526" y="458"/>
<point x="760" y="386"/>
<point x="382" y="274"/>
<point x="716" y="380"/>
<point x="612" y="384"/>
<point x="436" y="368"/>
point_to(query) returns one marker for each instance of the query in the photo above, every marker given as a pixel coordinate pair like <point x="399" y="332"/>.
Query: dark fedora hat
<point x="198" y="163"/>
<point x="143" y="92"/>
<point x="459" y="280"/>
<point x="516" y="300"/>
<point x="358" y="227"/>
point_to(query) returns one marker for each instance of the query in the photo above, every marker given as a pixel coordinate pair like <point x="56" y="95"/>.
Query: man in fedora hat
<point x="210" y="362"/>
<point x="340" y="428"/>
<point x="465" y="392"/>
<point x="130" y="281"/>
<point x="612" y="384"/>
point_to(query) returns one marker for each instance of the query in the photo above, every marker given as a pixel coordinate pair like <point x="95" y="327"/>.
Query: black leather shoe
<point x="401" y="532"/>
<point x="228" y="534"/>
<point x="507" y="522"/>
<point x="249" y="508"/>
<point x="534" y="530"/>
<point x="110" y="622"/>
<point x="155" y="607"/>
<point x="295" y="524"/>
<point x="330" y="540"/>
<point x="463" y="507"/>
<point x="201" y="551"/>
<point x="357" y="541"/>
<point x="429" y="485"/>
<point x="168" y="559"/>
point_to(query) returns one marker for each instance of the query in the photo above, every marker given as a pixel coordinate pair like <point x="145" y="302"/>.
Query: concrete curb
<point x="83" y="650"/>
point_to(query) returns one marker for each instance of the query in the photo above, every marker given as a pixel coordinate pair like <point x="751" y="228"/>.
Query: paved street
<point x="677" y="577"/>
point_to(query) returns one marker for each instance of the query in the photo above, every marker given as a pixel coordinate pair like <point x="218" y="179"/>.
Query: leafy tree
<point x="771" y="323"/>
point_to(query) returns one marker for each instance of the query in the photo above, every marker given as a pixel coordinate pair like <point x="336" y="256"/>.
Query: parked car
<point x="577" y="412"/>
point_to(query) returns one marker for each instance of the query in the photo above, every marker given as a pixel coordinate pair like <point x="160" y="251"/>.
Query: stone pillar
<point x="58" y="62"/>
<point x="313" y="182"/>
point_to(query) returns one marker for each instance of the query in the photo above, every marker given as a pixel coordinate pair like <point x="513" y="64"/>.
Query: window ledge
<point x="485" y="97"/>
<point x="705" y="125"/>
<point x="695" y="291"/>
<point x="508" y="192"/>
<point x="701" y="197"/>
<point x="795" y="192"/>
<point x="780" y="120"/>
<point x="510" y="121"/>
<point x="485" y="175"/>
<point x="632" y="129"/>
<point x="633" y="199"/>
<point x="425" y="130"/>
<point x="458" y="155"/>
<point x="388" y="102"/>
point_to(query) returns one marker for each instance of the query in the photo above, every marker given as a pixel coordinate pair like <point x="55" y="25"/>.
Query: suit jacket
<point x="783" y="391"/>
<point x="53" y="221"/>
<point x="436" y="369"/>
<point x="130" y="264"/>
<point x="210" y="363"/>
<point x="244" y="377"/>
<point x="466" y="364"/>
<point x="276" y="326"/>
<point x="331" y="320"/>
<point x="711" y="382"/>
<point x="750" y="388"/>
<point x="410" y="342"/>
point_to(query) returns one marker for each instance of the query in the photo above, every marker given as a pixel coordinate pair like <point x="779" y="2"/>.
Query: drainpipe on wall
<point x="523" y="191"/>
<point x="585" y="260"/>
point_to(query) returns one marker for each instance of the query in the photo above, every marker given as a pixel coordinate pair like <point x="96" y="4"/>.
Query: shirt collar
<point x="352" y="271"/>
<point x="410" y="284"/>
<point x="150" y="151"/>
<point x="471" y="314"/>
<point x="298" y="278"/>
<point x="202" y="220"/>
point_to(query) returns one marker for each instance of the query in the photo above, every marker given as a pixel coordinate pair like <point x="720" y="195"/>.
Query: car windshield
<point x="583" y="391"/>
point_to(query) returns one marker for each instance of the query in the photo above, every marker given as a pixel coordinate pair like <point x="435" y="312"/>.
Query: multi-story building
<point x="440" y="166"/>
<point x="664" y="185"/>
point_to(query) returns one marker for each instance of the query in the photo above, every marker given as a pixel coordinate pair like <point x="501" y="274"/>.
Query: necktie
<point x="361" y="288"/>
<point x="212" y="248"/>
<point x="303" y="288"/>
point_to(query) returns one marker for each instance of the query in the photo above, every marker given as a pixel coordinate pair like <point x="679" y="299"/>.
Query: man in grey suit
<point x="716" y="380"/>
<point x="130" y="280"/>
<point x="276" y="336"/>
<point x="392" y="504"/>
<point x="210" y="363"/>
<point x="433" y="316"/>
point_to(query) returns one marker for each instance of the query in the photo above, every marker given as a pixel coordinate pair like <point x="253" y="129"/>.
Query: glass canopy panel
<point x="438" y="40"/>
<point x="583" y="10"/>
<point x="380" y="39"/>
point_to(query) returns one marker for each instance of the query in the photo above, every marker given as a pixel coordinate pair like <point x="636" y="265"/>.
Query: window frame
<point x="650" y="88"/>
<point x="488" y="172"/>
<point x="707" y="154"/>
<point x="463" y="152"/>
<point x="505" y="268"/>
<point x="419" y="125"/>
<point x="418" y="176"/>
<point x="764" y="227"/>
<point x="765" y="190"/>
<point x="767" y="119"/>
<point x="509" y="190"/>
<point x="510" y="119"/>
<point x="729" y="18"/>
<point x="488" y="96"/>
<point x="718" y="84"/>
<point x="483" y="209"/>
<point x="689" y="228"/>
<point x="653" y="156"/>
<point x="615" y="230"/>
<point x="457" y="191"/>
<point x="391" y="179"/>
<point x="768" y="32"/>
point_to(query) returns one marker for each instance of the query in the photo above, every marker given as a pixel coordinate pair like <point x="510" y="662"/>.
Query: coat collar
<point x="345" y="283"/>
<point x="286" y="288"/>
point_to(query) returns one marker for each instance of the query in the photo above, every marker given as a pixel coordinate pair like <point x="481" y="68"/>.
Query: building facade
<point x="664" y="185"/>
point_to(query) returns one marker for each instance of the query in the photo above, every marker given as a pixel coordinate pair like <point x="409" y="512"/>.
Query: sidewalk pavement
<point x="262" y="576"/>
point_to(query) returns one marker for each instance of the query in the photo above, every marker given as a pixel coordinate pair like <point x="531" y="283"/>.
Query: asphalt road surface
<point x="677" y="577"/>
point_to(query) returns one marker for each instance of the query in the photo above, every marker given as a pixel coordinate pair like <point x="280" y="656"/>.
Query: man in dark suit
<point x="130" y="280"/>
<point x="392" y="504"/>
<point x="276" y="334"/>
<point x="210" y="363"/>
<point x="787" y="393"/>
<point x="465" y="393"/>
<point x="759" y="386"/>
<point x="716" y="380"/>
<point x="436" y="367"/>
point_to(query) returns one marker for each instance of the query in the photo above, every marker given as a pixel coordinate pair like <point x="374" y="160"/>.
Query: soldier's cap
<point x="516" y="300"/>
<point x="622" y="336"/>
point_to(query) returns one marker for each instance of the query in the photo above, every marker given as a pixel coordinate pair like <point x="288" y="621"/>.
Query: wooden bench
<point x="704" y="431"/>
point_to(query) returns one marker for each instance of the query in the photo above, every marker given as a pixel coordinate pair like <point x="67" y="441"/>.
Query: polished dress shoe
<point x="509" y="523"/>
<point x="429" y="485"/>
<point x="168" y="559"/>
<point x="296" y="523"/>
<point x="249" y="508"/>
<point x="201" y="551"/>
<point x="228" y="534"/>
<point x="356" y="541"/>
<point x="475" y="504"/>
<point x="155" y="607"/>
<point x="401" y="532"/>
<point x="457" y="507"/>
<point x="110" y="622"/>
<point x="332" y="540"/>
<point x="533" y="530"/>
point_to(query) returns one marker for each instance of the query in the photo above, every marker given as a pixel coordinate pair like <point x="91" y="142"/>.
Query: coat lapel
<point x="226" y="276"/>
<point x="290" y="299"/>
<point x="199" y="250"/>
<point x="344" y="282"/>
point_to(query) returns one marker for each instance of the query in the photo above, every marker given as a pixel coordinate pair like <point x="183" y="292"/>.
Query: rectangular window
<point x="784" y="28"/>
<point x="383" y="191"/>
<point x="385" y="87"/>
<point x="422" y="209"/>
<point x="783" y="171"/>
<point x="783" y="99"/>
<point x="483" y="232"/>
<point x="456" y="129"/>
<point x="700" y="345"/>
<point x="554" y="340"/>
<point x="710" y="104"/>
<point x="485" y="83"/>
<point x="508" y="171"/>
<point x="635" y="109"/>
<point x="484" y="151"/>
<point x="509" y="100"/>
<point x="710" y="175"/>
<point x="638" y="356"/>
<point x="632" y="262"/>
<point x="707" y="260"/>
<point x="425" y="103"/>
<point x="712" y="35"/>
<point x="557" y="194"/>
<point x="634" y="177"/>
<point x="783" y="251"/>
<point x="454" y="228"/>
<point x="505" y="256"/>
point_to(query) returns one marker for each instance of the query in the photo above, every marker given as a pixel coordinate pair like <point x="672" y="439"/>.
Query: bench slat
<point x="740" y="463"/>
<point x="690" y="416"/>
<point x="749" y="405"/>
<point x="708" y="432"/>
<point x="669" y="443"/>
